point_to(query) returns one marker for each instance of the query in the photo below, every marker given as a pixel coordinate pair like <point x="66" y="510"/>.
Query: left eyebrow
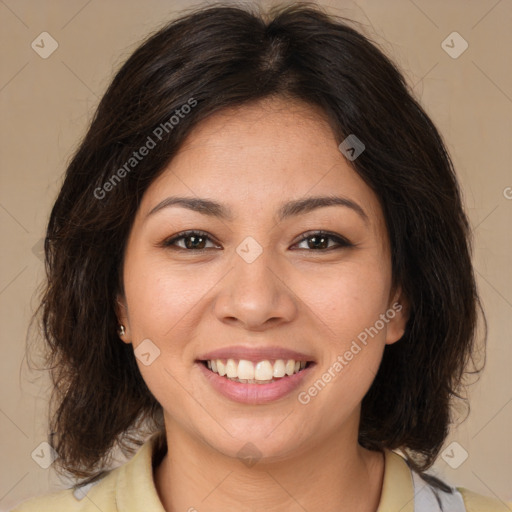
<point x="292" y="208"/>
<point x="308" y="204"/>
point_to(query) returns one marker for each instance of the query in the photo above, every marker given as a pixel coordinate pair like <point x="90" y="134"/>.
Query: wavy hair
<point x="224" y="56"/>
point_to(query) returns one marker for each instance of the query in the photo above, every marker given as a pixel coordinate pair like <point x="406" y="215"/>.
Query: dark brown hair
<point x="224" y="56"/>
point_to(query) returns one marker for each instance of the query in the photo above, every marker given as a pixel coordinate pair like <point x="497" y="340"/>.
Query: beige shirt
<point x="130" y="488"/>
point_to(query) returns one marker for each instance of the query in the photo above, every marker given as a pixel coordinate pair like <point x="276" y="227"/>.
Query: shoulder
<point x="478" y="503"/>
<point x="127" y="487"/>
<point x="405" y="489"/>
<point x="84" y="499"/>
<point x="55" y="501"/>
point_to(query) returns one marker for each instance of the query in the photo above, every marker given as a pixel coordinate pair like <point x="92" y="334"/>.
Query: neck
<point x="333" y="475"/>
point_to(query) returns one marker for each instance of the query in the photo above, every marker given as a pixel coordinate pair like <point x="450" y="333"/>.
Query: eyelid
<point x="341" y="240"/>
<point x="169" y="242"/>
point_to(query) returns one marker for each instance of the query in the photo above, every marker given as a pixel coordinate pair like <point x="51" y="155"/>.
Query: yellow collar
<point x="397" y="487"/>
<point x="135" y="487"/>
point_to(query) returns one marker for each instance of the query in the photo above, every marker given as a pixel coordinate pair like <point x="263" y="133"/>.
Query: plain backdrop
<point x="46" y="104"/>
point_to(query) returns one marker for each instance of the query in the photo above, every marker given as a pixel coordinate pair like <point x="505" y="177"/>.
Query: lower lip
<point x="254" y="393"/>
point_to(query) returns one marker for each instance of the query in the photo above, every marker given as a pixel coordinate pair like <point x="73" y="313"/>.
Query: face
<point x="295" y="292"/>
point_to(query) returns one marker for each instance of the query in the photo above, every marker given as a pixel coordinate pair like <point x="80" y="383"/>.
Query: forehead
<point x="254" y="157"/>
<point x="266" y="130"/>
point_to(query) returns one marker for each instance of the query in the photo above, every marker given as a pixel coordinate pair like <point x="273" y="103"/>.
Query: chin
<point x="264" y="441"/>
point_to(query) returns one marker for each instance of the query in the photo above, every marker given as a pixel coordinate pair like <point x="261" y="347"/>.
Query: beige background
<point x="46" y="104"/>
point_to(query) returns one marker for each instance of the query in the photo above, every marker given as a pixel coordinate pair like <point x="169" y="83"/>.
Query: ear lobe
<point x="398" y="315"/>
<point x="122" y="318"/>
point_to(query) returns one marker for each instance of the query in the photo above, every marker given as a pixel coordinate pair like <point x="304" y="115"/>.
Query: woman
<point x="259" y="270"/>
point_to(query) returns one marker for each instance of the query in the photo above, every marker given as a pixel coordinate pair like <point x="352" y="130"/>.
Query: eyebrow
<point x="289" y="209"/>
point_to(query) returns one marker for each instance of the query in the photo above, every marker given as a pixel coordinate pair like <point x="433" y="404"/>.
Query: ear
<point x="398" y="314"/>
<point x="123" y="318"/>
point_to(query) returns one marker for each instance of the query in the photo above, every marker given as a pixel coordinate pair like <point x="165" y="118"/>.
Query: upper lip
<point x="255" y="354"/>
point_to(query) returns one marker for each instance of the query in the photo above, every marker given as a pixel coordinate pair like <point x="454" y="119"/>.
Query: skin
<point x="315" y="301"/>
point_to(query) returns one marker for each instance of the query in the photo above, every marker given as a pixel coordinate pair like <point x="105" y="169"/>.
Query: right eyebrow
<point x="204" y="206"/>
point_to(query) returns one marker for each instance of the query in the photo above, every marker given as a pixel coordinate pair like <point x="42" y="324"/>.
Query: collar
<point x="397" y="487"/>
<point x="135" y="487"/>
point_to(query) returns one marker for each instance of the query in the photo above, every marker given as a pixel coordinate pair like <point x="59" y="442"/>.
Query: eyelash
<point x="341" y="241"/>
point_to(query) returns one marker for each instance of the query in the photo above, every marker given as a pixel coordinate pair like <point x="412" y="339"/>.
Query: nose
<point x="255" y="295"/>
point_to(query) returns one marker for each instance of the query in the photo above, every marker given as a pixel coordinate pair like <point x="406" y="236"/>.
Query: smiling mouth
<point x="260" y="372"/>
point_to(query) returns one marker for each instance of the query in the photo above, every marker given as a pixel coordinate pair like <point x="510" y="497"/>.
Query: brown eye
<point x="320" y="240"/>
<point x="189" y="240"/>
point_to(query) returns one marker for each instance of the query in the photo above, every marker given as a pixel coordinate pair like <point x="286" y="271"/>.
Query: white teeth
<point x="221" y="368"/>
<point x="231" y="369"/>
<point x="245" y="370"/>
<point x="279" y="369"/>
<point x="261" y="372"/>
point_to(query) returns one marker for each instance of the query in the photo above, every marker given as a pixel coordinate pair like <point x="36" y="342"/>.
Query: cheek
<point x="349" y="305"/>
<point x="164" y="304"/>
<point x="347" y="299"/>
<point x="160" y="298"/>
